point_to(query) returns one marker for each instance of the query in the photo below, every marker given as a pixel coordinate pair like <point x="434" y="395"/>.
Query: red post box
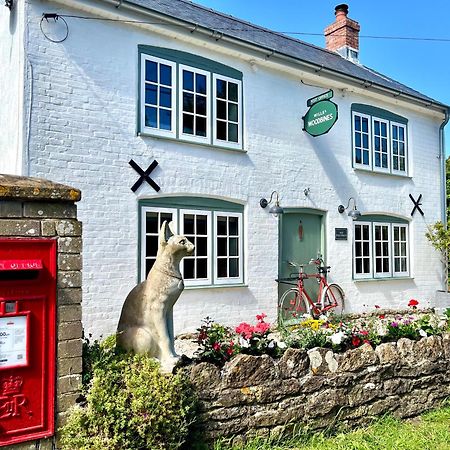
<point x="27" y="339"/>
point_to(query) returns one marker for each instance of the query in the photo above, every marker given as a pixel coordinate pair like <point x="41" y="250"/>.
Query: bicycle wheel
<point x="333" y="294"/>
<point x="292" y="307"/>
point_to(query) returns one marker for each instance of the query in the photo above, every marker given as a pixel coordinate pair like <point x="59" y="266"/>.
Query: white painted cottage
<point x="218" y="103"/>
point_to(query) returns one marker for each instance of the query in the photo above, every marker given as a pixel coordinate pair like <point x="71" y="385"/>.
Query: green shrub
<point x="130" y="405"/>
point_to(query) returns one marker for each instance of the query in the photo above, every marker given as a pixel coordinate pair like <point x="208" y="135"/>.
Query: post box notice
<point x="13" y="341"/>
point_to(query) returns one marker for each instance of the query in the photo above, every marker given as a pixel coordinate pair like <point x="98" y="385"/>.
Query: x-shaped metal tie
<point x="144" y="175"/>
<point x="417" y="204"/>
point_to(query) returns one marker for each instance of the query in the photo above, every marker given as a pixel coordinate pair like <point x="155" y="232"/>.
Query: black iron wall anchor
<point x="144" y="175"/>
<point x="417" y="204"/>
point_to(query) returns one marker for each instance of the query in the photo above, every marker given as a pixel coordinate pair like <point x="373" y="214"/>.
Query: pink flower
<point x="261" y="317"/>
<point x="216" y="346"/>
<point x="262" y="327"/>
<point x="245" y="330"/>
<point x="364" y="332"/>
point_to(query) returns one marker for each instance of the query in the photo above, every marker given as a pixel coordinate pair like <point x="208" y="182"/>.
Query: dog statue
<point x="146" y="321"/>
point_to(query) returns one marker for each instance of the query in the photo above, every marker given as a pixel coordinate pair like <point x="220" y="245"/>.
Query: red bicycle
<point x="296" y="302"/>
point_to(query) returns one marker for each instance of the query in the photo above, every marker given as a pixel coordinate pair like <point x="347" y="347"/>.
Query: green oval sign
<point x="320" y="118"/>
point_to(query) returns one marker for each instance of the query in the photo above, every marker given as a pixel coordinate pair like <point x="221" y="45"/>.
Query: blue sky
<point x="422" y="65"/>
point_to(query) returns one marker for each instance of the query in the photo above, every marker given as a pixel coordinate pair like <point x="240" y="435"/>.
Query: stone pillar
<point x="36" y="208"/>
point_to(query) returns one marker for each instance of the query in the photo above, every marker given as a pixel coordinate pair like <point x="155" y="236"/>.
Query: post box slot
<point x="17" y="275"/>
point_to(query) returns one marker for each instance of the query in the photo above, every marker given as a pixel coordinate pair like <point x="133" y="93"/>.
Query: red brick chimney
<point x="342" y="36"/>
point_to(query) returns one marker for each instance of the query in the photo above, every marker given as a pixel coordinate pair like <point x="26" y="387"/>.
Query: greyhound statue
<point x="146" y="321"/>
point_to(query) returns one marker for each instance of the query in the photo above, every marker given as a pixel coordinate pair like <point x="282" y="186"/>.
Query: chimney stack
<point x="342" y="36"/>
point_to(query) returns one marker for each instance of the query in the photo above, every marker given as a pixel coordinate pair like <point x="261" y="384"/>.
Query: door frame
<point x="312" y="211"/>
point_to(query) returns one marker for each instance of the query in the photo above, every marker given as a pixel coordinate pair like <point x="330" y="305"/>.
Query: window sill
<point x="370" y="280"/>
<point x="388" y="174"/>
<point x="196" y="144"/>
<point x="216" y="286"/>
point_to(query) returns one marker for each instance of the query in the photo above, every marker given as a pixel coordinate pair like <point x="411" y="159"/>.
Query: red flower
<point x="245" y="330"/>
<point x="413" y="303"/>
<point x="364" y="332"/>
<point x="366" y="341"/>
<point x="216" y="346"/>
<point x="377" y="306"/>
<point x="230" y="351"/>
<point x="356" y="341"/>
<point x="261" y="316"/>
<point x="381" y="316"/>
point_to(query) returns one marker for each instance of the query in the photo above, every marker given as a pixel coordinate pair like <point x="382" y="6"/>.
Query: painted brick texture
<point x="84" y="133"/>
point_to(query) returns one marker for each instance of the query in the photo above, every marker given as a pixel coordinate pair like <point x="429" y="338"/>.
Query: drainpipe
<point x="444" y="186"/>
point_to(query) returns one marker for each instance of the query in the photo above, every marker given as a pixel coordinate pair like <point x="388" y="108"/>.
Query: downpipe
<point x="444" y="187"/>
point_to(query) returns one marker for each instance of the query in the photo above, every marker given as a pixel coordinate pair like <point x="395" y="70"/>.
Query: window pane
<point x="221" y="225"/>
<point x="188" y="102"/>
<point x="385" y="265"/>
<point x="378" y="265"/>
<point x="188" y="268"/>
<point x="165" y="75"/>
<point x="232" y="132"/>
<point x="377" y="232"/>
<point x="365" y="141"/>
<point x="366" y="265"/>
<point x="365" y="125"/>
<point x="202" y="268"/>
<point x="165" y="119"/>
<point x="200" y="83"/>
<point x="221" y="110"/>
<point x="188" y="224"/>
<point x="150" y="94"/>
<point x="151" y="222"/>
<point x="188" y="80"/>
<point x="397" y="265"/>
<point x="200" y="126"/>
<point x="366" y="248"/>
<point x="202" y="224"/>
<point x="222" y="247"/>
<point x="151" y="247"/>
<point x="148" y="265"/>
<point x="358" y="248"/>
<point x="165" y="97"/>
<point x="233" y="112"/>
<point x="394" y="132"/>
<point x="234" y="246"/>
<point x="165" y="217"/>
<point x="358" y="266"/>
<point x="358" y="140"/>
<point x="365" y="157"/>
<point x="188" y="124"/>
<point x="377" y="128"/>
<point x="234" y="267"/>
<point x="232" y="92"/>
<point x="357" y="123"/>
<point x="366" y="232"/>
<point x="358" y="232"/>
<point x="401" y="133"/>
<point x="200" y="104"/>
<point x="201" y="246"/>
<point x="221" y="130"/>
<point x="221" y="89"/>
<point x="233" y="224"/>
<point x="222" y="268"/>
<point x="151" y="71"/>
<point x="150" y="117"/>
<point x="358" y="156"/>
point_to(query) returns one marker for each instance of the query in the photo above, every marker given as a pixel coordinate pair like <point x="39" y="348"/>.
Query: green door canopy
<point x="320" y="118"/>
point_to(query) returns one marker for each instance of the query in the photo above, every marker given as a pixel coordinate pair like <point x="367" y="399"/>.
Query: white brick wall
<point x="84" y="134"/>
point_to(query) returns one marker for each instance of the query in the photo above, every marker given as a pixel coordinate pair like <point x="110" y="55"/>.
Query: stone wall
<point x="260" y="395"/>
<point x="31" y="207"/>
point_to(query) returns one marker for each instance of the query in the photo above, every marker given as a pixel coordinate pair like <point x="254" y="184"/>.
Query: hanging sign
<point x="321" y="116"/>
<point x="341" y="234"/>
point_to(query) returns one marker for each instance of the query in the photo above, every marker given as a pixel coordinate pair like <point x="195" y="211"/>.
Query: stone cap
<point x="13" y="187"/>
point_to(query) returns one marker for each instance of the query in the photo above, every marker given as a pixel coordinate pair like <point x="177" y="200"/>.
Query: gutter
<point x="444" y="186"/>
<point x="268" y="52"/>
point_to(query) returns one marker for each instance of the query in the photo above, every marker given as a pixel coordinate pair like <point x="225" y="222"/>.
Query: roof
<point x="247" y="32"/>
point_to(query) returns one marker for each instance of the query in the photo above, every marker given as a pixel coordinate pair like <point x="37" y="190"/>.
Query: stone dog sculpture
<point x="146" y="321"/>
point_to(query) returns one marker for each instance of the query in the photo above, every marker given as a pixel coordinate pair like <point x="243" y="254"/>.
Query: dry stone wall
<point x="318" y="389"/>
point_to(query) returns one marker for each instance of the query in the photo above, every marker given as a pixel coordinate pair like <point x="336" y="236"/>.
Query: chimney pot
<point x="341" y="9"/>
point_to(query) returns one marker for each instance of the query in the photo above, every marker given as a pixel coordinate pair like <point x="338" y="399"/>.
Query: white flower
<point x="337" y="338"/>
<point x="243" y="342"/>
<point x="422" y="333"/>
<point x="323" y="317"/>
<point x="282" y="344"/>
<point x="381" y="329"/>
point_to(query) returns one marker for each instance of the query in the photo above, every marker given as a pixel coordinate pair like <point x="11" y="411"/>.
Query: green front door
<point x="300" y="241"/>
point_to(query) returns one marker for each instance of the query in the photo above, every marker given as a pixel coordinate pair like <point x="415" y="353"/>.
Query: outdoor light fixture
<point x="353" y="213"/>
<point x="276" y="209"/>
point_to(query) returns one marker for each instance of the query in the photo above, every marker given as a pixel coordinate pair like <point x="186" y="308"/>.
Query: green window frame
<point x="379" y="140"/>
<point x="216" y="228"/>
<point x="381" y="247"/>
<point x="205" y="105"/>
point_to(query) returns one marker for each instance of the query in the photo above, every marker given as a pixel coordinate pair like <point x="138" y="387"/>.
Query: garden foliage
<point x="130" y="405"/>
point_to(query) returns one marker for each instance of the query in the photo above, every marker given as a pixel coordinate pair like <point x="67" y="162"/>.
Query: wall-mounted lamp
<point x="276" y="209"/>
<point x="353" y="213"/>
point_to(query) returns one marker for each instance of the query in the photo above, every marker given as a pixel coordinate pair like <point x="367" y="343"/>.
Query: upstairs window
<point x="380" y="248"/>
<point x="379" y="140"/>
<point x="190" y="98"/>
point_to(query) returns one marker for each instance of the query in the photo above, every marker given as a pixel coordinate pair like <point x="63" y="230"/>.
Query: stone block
<point x="446" y="345"/>
<point x="364" y="393"/>
<point x="70" y="330"/>
<point x="70" y="245"/>
<point x="293" y="364"/>
<point x="357" y="359"/>
<point x="45" y="444"/>
<point x="60" y="210"/>
<point x="10" y="209"/>
<point x="69" y="383"/>
<point x="69" y="261"/>
<point x="406" y="351"/>
<point x="69" y="296"/>
<point x="325" y="401"/>
<point x="322" y="361"/>
<point x="388" y="404"/>
<point x="69" y="279"/>
<point x="70" y="349"/>
<point x="69" y="313"/>
<point x="20" y="227"/>
<point x="387" y="353"/>
<point x="65" y="401"/>
<point x="48" y="227"/>
<point x="204" y="376"/>
<point x="248" y="370"/>
<point x="429" y="348"/>
<point x="69" y="366"/>
<point x="68" y="228"/>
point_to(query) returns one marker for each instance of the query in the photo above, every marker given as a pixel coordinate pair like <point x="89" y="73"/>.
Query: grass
<point x="428" y="432"/>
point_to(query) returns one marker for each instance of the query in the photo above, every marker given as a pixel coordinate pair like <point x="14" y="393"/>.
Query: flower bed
<point x="320" y="372"/>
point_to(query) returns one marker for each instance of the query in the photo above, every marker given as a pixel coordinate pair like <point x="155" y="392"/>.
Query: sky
<point x="421" y="65"/>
